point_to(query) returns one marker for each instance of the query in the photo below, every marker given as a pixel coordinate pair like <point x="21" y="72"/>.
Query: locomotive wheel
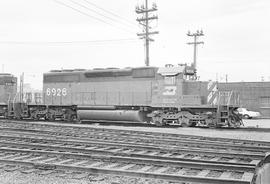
<point x="6" y="115"/>
<point x="18" y="117"/>
<point x="36" y="118"/>
<point x="193" y="124"/>
<point x="149" y="121"/>
<point x="232" y="122"/>
<point x="78" y="120"/>
<point x="185" y="122"/>
<point x="73" y="118"/>
<point x="158" y="123"/>
<point x="51" y="118"/>
<point x="212" y="123"/>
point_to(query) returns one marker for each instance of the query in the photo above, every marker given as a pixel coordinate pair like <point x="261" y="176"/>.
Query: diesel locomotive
<point x="8" y="92"/>
<point x="157" y="95"/>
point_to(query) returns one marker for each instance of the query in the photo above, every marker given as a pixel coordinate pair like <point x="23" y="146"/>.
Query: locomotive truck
<point x="157" y="95"/>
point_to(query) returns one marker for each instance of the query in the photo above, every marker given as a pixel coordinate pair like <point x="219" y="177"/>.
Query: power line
<point x="88" y="15"/>
<point x="98" y="13"/>
<point x="110" y="12"/>
<point x="68" y="42"/>
<point x="59" y="2"/>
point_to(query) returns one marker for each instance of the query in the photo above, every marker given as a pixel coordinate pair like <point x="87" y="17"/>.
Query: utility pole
<point x="195" y="35"/>
<point x="21" y="86"/>
<point x="144" y="20"/>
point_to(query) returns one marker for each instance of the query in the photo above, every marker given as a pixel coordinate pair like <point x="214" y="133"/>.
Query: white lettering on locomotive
<point x="64" y="91"/>
<point x="56" y="92"/>
<point x="53" y="91"/>
<point x="48" y="92"/>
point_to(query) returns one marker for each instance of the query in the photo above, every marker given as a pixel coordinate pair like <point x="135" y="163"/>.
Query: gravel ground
<point x="16" y="177"/>
<point x="259" y="123"/>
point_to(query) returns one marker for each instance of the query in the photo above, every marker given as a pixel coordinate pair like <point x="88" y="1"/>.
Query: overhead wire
<point x="68" y="42"/>
<point x="111" y="13"/>
<point x="83" y="6"/>
<point x="92" y="17"/>
<point x="105" y="13"/>
<point x="77" y="42"/>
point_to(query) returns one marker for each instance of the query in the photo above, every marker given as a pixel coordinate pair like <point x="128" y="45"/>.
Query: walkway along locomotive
<point x="165" y="95"/>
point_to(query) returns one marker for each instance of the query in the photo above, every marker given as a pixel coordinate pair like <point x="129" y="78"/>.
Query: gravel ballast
<point x="59" y="177"/>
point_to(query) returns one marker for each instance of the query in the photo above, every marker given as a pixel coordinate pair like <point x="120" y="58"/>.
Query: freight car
<point x="166" y="95"/>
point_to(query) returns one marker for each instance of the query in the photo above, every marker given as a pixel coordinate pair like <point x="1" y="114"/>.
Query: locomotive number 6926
<point x="56" y="92"/>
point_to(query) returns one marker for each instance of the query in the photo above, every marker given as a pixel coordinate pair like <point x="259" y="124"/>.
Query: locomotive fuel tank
<point x="96" y="107"/>
<point x="111" y="115"/>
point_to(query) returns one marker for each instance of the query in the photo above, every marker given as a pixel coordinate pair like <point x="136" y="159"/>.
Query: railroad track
<point x="119" y="152"/>
<point x="208" y="150"/>
<point x="145" y="151"/>
<point x="88" y="159"/>
<point x="139" y="136"/>
<point x="86" y="131"/>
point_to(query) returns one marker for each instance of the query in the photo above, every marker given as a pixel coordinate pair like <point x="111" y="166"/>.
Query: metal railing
<point x="228" y="98"/>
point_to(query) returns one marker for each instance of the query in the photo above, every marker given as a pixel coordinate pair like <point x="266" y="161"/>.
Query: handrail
<point x="229" y="99"/>
<point x="8" y="98"/>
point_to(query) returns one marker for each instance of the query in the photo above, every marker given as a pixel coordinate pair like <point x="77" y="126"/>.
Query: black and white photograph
<point x="134" y="92"/>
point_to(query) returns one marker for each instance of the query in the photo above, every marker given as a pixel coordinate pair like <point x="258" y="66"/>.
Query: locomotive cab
<point x="169" y="90"/>
<point x="179" y="98"/>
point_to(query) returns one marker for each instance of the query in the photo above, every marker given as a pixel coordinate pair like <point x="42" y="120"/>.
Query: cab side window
<point x="169" y="80"/>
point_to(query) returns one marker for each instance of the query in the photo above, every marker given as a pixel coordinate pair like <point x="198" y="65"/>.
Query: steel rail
<point x="129" y="169"/>
<point x="138" y="160"/>
<point x="189" y="143"/>
<point x="167" y="136"/>
<point x="112" y="142"/>
<point x="72" y="149"/>
<point x="124" y="141"/>
<point x="128" y="150"/>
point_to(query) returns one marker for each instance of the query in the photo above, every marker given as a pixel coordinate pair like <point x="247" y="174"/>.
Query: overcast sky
<point x="40" y="35"/>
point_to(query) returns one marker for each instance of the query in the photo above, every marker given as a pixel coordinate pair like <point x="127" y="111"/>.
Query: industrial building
<point x="253" y="95"/>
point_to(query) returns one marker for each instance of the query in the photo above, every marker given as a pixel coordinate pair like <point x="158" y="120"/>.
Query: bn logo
<point x="169" y="90"/>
